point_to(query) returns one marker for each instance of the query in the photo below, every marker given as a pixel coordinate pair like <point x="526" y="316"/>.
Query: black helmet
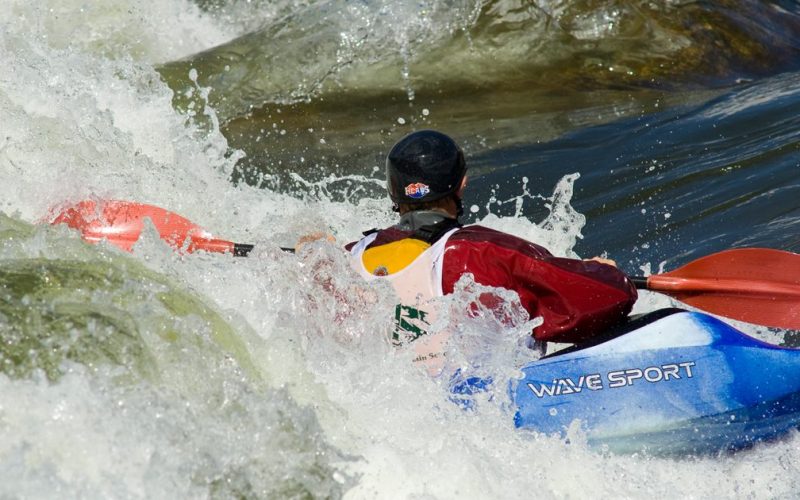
<point x="424" y="166"/>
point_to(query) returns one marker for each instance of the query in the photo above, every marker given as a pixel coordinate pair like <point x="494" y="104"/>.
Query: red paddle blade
<point x="756" y="285"/>
<point x="121" y="224"/>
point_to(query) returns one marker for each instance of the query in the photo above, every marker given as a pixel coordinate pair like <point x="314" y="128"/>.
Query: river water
<point x="651" y="132"/>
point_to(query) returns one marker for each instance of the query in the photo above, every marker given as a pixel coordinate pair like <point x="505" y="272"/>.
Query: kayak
<point x="671" y="383"/>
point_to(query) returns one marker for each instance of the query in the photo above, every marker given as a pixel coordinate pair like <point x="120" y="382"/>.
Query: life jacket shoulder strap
<point x="433" y="232"/>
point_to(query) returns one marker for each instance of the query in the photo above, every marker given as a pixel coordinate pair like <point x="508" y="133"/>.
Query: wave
<point x="334" y="49"/>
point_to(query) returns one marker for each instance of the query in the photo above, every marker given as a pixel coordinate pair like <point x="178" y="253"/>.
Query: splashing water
<point x="165" y="375"/>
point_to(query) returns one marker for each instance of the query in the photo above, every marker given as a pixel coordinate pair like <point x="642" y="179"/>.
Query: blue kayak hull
<point x="683" y="384"/>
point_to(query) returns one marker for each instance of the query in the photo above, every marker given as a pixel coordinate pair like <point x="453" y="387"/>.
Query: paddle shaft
<point x="243" y="249"/>
<point x="640" y="282"/>
<point x="666" y="284"/>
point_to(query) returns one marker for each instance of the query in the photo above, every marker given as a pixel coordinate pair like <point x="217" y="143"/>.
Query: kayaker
<point x="429" y="250"/>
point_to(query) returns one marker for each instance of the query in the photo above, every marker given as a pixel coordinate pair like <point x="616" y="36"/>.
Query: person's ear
<point x="461" y="188"/>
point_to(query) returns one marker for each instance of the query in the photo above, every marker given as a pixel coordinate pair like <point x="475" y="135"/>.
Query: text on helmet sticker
<point x="417" y="190"/>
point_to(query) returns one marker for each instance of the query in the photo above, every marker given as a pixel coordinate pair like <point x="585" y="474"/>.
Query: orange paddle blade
<point x="121" y="223"/>
<point x="756" y="285"/>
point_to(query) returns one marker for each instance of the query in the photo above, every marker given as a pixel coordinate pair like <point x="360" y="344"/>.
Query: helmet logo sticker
<point x="417" y="190"/>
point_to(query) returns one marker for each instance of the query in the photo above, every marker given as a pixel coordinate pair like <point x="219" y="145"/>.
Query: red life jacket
<point x="576" y="299"/>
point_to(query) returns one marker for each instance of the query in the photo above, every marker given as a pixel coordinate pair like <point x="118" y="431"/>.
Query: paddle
<point x="121" y="223"/>
<point x="755" y="285"/>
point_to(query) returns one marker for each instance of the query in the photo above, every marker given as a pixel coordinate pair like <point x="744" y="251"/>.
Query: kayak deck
<point x="685" y="383"/>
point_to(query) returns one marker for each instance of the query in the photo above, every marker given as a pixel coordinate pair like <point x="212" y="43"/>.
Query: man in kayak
<point x="429" y="250"/>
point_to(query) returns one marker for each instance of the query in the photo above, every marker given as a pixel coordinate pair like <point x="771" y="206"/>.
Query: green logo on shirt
<point x="410" y="323"/>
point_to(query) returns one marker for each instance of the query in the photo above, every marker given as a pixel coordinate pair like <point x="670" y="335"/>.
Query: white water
<point x="88" y="116"/>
